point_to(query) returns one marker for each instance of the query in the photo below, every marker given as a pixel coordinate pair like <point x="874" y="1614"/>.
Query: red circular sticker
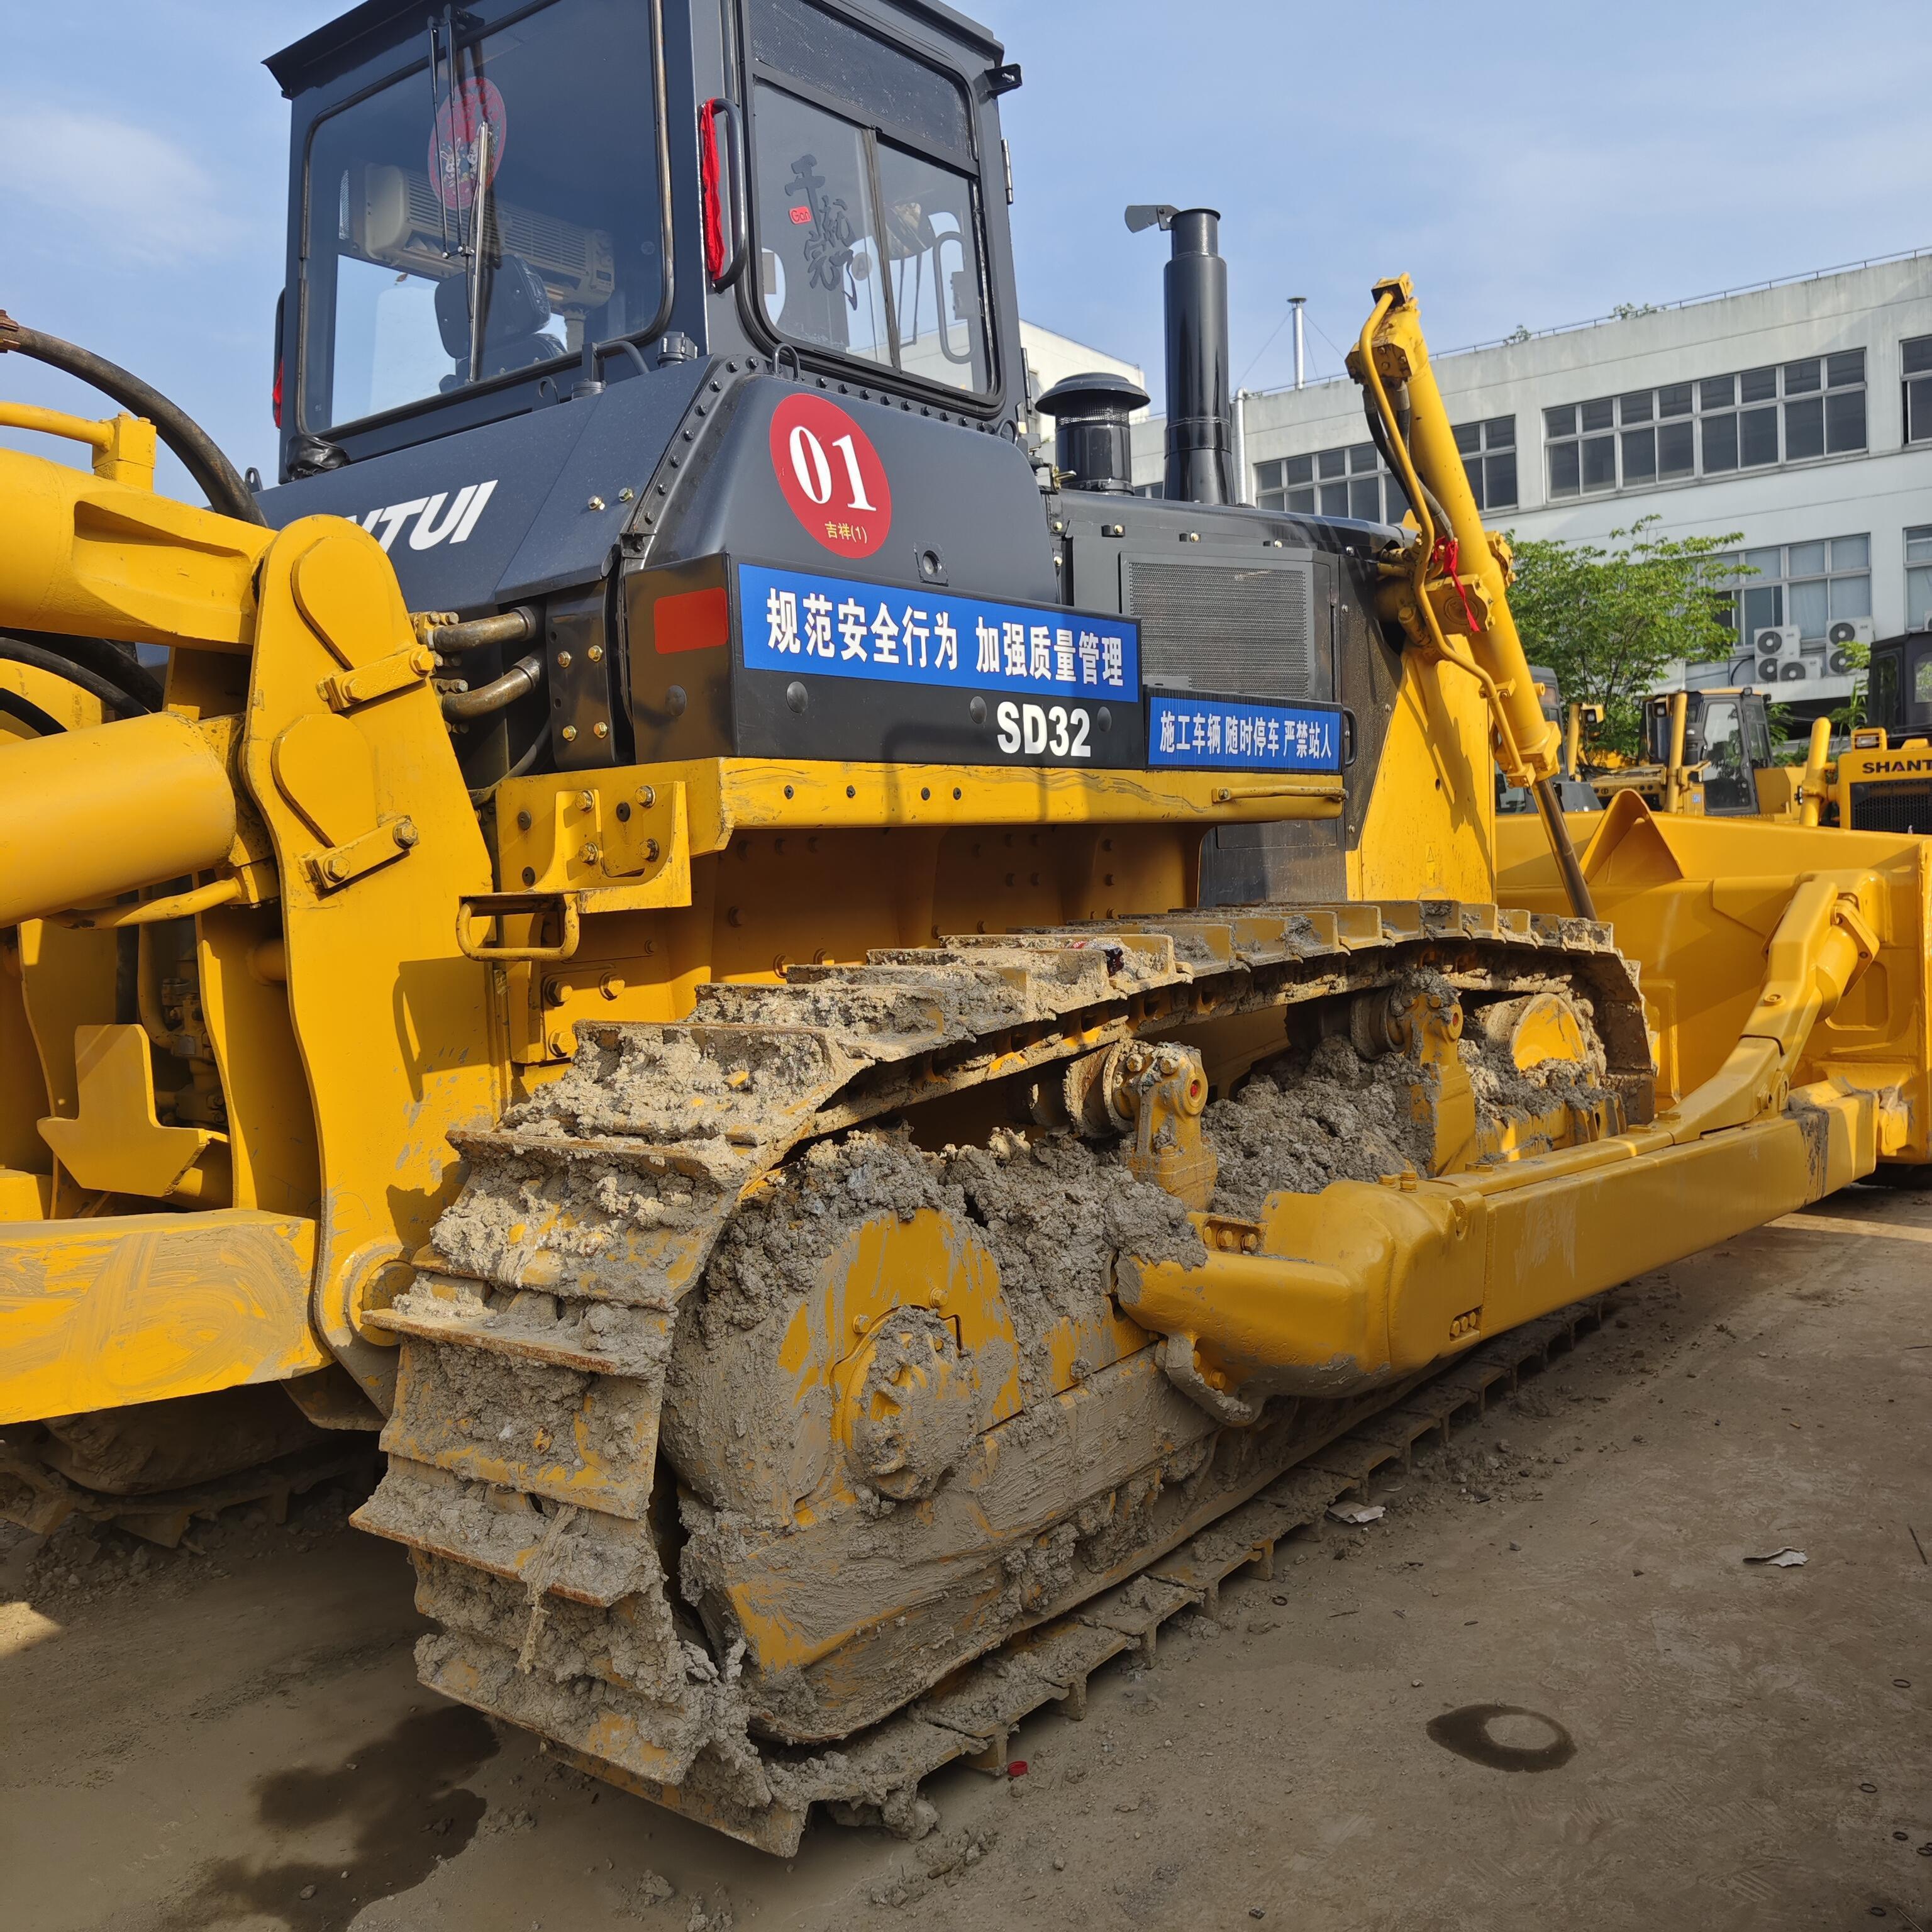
<point x="453" y="140"/>
<point x="831" y="475"/>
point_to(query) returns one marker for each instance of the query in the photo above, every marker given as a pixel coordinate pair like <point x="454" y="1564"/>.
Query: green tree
<point x="1608" y="620"/>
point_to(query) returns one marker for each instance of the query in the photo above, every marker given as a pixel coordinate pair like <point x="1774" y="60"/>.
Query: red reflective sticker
<point x="801" y="217"/>
<point x="691" y="620"/>
<point x="831" y="475"/>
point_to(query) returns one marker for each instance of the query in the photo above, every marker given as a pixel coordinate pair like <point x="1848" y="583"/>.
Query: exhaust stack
<point x="1200" y="421"/>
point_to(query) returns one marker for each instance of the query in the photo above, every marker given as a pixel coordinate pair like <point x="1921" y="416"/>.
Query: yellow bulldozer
<point x="872" y="1060"/>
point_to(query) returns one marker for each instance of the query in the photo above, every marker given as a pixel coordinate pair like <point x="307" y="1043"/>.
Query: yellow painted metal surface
<point x="88" y="555"/>
<point x="123" y="445"/>
<point x="94" y="1314"/>
<point x="115" y="1144"/>
<point x="25" y="1194"/>
<point x="1359" y="1284"/>
<point x="1427" y="831"/>
<point x="1698" y="901"/>
<point x="393" y="1023"/>
<point x="67" y="981"/>
<point x="82" y="816"/>
<point x="271" y="1125"/>
<point x="23" y="1088"/>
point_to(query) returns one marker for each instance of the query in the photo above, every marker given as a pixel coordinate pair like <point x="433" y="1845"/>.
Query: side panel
<point x="1428" y="830"/>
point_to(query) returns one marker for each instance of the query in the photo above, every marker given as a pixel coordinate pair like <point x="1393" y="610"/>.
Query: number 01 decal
<point x="831" y="475"/>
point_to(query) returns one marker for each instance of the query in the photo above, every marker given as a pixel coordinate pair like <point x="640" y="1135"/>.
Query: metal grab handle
<point x="490" y="906"/>
<point x="964" y="358"/>
<point x="738" y="238"/>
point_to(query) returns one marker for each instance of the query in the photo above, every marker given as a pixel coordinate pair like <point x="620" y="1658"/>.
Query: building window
<point x="1918" y="388"/>
<point x="1918" y="578"/>
<point x="1807" y="587"/>
<point x="1347" y="482"/>
<point x="1354" y="481"/>
<point x="1489" y="455"/>
<point x="1746" y="421"/>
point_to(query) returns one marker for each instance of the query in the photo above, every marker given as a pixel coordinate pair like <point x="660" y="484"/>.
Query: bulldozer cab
<point x="1898" y="687"/>
<point x="1728" y="734"/>
<point x="494" y="207"/>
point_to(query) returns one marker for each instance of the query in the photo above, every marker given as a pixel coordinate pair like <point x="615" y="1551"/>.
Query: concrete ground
<point x="236" y="1739"/>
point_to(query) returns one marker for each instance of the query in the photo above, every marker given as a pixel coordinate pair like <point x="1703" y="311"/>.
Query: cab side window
<point x="865" y="200"/>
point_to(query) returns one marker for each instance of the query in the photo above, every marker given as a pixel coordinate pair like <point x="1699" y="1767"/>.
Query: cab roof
<point x="345" y="41"/>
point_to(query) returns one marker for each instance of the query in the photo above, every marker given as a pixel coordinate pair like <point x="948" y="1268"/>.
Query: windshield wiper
<point x="471" y="239"/>
<point x="479" y="211"/>
<point x="436" y="102"/>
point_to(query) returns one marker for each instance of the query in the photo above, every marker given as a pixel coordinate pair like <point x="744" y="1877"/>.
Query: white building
<point x="1050" y="358"/>
<point x="1798" y="413"/>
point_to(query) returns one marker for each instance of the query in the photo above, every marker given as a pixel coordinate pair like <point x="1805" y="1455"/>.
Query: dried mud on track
<point x="235" y="1738"/>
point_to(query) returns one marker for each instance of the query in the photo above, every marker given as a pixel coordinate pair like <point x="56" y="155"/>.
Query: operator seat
<point x="519" y="306"/>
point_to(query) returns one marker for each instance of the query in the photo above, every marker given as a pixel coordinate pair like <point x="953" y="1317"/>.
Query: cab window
<point x="1881" y="698"/>
<point x="483" y="214"/>
<point x="1727" y="777"/>
<point x="1921" y="678"/>
<point x="866" y="202"/>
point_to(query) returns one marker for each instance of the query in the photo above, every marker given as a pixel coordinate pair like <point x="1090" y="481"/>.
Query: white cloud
<point x="111" y="191"/>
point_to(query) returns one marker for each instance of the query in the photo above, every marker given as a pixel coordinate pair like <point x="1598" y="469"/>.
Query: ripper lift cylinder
<point x="85" y="815"/>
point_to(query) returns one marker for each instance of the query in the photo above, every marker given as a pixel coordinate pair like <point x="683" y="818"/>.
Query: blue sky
<point x="1535" y="165"/>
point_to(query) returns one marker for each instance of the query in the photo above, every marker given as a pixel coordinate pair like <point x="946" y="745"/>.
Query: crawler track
<point x="523" y="1451"/>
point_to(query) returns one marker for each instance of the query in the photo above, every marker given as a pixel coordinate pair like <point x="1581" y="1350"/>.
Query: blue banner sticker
<point x="1223" y="734"/>
<point x="834" y="627"/>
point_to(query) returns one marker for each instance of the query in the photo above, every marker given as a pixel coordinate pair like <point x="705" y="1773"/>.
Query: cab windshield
<point x="868" y="226"/>
<point x="1730" y="750"/>
<point x="484" y="214"/>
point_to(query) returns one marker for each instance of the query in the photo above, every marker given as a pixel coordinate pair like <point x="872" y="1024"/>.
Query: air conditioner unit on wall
<point x="1775" y="638"/>
<point x="1791" y="670"/>
<point x="1845" y="633"/>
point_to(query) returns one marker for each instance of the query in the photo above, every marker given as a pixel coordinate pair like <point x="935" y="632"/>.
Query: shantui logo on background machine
<point x="434" y="523"/>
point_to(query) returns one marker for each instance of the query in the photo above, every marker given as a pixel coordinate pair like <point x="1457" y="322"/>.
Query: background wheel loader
<point x="852" y="1051"/>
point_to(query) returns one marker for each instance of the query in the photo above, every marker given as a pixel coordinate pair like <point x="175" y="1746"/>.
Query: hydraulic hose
<point x="1379" y="435"/>
<point x="27" y="712"/>
<point x="114" y="662"/>
<point x="522" y="677"/>
<point x="19" y="651"/>
<point x="482" y="794"/>
<point x="200" y="456"/>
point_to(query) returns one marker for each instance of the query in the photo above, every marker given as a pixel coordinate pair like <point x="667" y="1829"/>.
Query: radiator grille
<point x="1899" y="805"/>
<point x="1234" y="630"/>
